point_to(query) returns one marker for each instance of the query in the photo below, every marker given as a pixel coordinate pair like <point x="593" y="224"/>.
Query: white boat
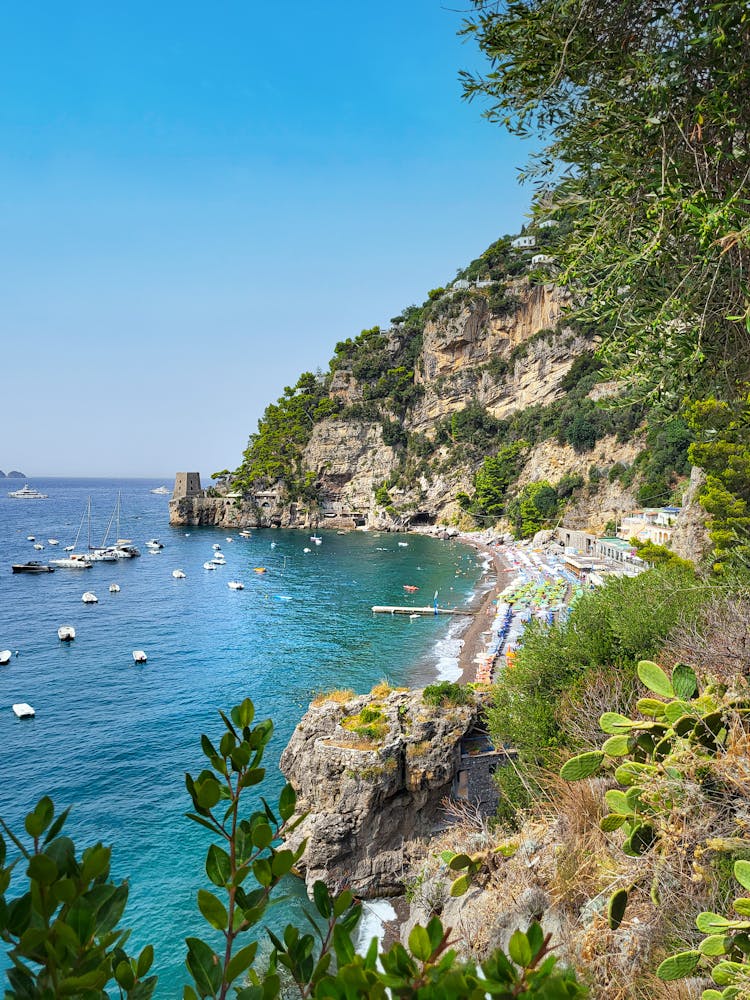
<point x="66" y="633"/>
<point x="5" y="656"/>
<point x="114" y="588"/>
<point x="208" y="565"/>
<point x="219" y="560"/>
<point x="24" y="711"/>
<point x="89" y="598"/>
<point x="154" y="543"/>
<point x="28" y="493"/>
<point x="71" y="562"/>
<point x="122" y="548"/>
<point x="315" y="538"/>
<point x="273" y="545"/>
<point x="69" y="548"/>
<point x="52" y="541"/>
<point x="230" y="539"/>
<point x="307" y="550"/>
<point x="236" y="585"/>
<point x="178" y="574"/>
<point x="30" y="538"/>
<point x="38" y="546"/>
<point x="139" y="656"/>
<point x="403" y="545"/>
<point x="216" y="546"/>
<point x="161" y="491"/>
<point x="247" y="534"/>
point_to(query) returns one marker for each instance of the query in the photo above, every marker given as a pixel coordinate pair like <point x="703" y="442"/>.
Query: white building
<point x="652" y="524"/>
<point x="523" y="242"/>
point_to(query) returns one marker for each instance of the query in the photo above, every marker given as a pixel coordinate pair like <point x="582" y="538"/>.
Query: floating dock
<point x="395" y="609"/>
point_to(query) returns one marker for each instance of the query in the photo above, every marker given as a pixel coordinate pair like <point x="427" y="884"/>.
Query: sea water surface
<point x="114" y="740"/>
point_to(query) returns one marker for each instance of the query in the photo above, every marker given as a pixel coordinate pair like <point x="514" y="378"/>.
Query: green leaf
<point x="727" y="973"/>
<point x="243" y="714"/>
<point x="684" y="681"/>
<point x="742" y="873"/>
<point x="208" y="792"/>
<point x="650" y="706"/>
<point x="287" y="802"/>
<point x="616" y="746"/>
<point x="613" y="722"/>
<point x="204" y="966"/>
<point x="213" y="910"/>
<point x="607" y="824"/>
<point x="715" y="944"/>
<point x="42" y="869"/>
<point x="342" y="944"/>
<point x="342" y="902"/>
<point x="459" y="861"/>
<point x="460" y="885"/>
<point x="145" y="960"/>
<point x="40" y="818"/>
<point x="655" y="679"/>
<point x="519" y="949"/>
<point x="262" y="836"/>
<point x="616" y="906"/>
<point x="618" y="802"/>
<point x="420" y="944"/>
<point x="678" y="966"/>
<point x="582" y="766"/>
<point x="322" y="899"/>
<point x="742" y="906"/>
<point x="218" y="866"/>
<point x="241" y="961"/>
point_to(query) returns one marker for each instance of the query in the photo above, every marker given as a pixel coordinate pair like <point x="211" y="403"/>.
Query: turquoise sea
<point x="114" y="740"/>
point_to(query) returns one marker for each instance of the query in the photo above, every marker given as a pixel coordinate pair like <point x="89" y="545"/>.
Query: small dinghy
<point x="5" y="655"/>
<point x="30" y="538"/>
<point x="178" y="574"/>
<point x="229" y="539"/>
<point x="236" y="585"/>
<point x="216" y="546"/>
<point x="245" y="534"/>
<point x="89" y="598"/>
<point x="139" y="656"/>
<point x="66" y="633"/>
<point x="38" y="547"/>
<point x="307" y="550"/>
<point x="260" y="569"/>
<point x="410" y="588"/>
<point x="53" y="541"/>
<point x="114" y="588"/>
<point x="208" y="565"/>
<point x="24" y="711"/>
<point x="403" y="545"/>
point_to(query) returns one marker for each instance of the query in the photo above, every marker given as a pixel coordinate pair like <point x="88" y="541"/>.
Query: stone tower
<point x="187" y="484"/>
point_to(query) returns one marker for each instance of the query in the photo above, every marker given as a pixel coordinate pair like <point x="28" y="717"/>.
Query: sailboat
<point x="75" y="560"/>
<point x="123" y="548"/>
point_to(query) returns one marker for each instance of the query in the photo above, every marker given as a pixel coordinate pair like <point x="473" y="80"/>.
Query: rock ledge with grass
<point x="370" y="773"/>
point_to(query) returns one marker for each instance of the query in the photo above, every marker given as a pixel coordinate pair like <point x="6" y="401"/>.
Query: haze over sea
<point x="113" y="740"/>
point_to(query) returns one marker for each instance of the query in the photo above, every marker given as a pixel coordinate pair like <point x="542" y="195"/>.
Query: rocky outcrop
<point x="690" y="536"/>
<point x="365" y="797"/>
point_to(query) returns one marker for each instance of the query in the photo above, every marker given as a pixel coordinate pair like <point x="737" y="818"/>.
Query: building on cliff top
<point x="186" y="485"/>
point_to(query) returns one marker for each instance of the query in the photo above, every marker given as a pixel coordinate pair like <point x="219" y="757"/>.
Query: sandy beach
<point x="477" y="637"/>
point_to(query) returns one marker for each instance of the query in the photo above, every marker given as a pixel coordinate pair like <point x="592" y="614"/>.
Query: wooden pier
<point x="394" y="609"/>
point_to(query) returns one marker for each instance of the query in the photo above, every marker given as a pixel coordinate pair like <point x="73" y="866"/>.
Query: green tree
<point x="534" y="507"/>
<point x="643" y="112"/>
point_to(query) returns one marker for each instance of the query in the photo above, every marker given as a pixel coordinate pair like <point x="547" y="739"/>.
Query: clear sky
<point x="197" y="200"/>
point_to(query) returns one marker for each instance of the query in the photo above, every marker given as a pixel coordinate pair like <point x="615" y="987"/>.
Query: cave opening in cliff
<point x="422" y="517"/>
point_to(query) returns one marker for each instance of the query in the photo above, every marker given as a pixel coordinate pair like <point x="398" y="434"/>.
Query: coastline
<point x="477" y="636"/>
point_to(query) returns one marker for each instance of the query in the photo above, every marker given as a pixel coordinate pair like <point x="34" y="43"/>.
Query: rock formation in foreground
<point x="371" y="771"/>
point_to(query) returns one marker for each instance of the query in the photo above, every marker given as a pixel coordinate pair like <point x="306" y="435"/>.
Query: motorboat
<point x="410" y="588"/>
<point x="69" y="548"/>
<point x="23" y="711"/>
<point x="260" y="569"/>
<point x="236" y="585"/>
<point x="139" y="656"/>
<point x="154" y="543"/>
<point x="30" y="538"/>
<point x="161" y="491"/>
<point x="52" y="541"/>
<point x="229" y="539"/>
<point x="219" y="560"/>
<point x="246" y="534"/>
<point x="317" y="539"/>
<point x="209" y="565"/>
<point x="114" y="588"/>
<point x="71" y="562"/>
<point x="38" y="546"/>
<point x="403" y="545"/>
<point x="28" y="493"/>
<point x="5" y="655"/>
<point x="178" y="574"/>
<point x="89" y="598"/>
<point x="34" y="566"/>
<point x="307" y="550"/>
<point x="66" y="633"/>
<point x="216" y="546"/>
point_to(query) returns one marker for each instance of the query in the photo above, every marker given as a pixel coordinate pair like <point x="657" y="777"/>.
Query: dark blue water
<point x="114" y="740"/>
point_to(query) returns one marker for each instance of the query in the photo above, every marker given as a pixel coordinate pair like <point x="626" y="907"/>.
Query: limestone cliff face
<point x="468" y="355"/>
<point x="365" y="799"/>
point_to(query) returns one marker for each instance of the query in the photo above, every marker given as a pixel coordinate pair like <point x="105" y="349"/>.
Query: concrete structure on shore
<point x="187" y="485"/>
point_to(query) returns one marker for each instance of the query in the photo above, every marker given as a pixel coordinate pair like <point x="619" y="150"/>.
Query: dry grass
<point x="717" y="641"/>
<point x="340" y="695"/>
<point x="384" y="687"/>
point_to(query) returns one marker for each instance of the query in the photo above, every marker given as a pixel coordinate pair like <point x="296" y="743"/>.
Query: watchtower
<point x="187" y="484"/>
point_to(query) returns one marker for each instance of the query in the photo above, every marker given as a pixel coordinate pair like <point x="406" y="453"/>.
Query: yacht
<point x="71" y="562"/>
<point x="161" y="491"/>
<point x="32" y="567"/>
<point x="28" y="493"/>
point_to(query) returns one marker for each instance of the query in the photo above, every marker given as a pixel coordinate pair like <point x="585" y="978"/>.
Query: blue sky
<point x="198" y="200"/>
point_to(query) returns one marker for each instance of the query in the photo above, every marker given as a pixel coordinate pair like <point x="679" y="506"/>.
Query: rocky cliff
<point x="370" y="774"/>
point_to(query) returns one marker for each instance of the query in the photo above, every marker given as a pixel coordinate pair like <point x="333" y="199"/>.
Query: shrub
<point x="447" y="693"/>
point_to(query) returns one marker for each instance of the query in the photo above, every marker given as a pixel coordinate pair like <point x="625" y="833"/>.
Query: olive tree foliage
<point x="643" y="109"/>
<point x="60" y="911"/>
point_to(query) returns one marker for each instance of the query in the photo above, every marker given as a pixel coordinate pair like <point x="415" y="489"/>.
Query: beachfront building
<point x="652" y="524"/>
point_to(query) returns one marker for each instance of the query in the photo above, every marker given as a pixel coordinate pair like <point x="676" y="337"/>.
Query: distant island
<point x="13" y="475"/>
